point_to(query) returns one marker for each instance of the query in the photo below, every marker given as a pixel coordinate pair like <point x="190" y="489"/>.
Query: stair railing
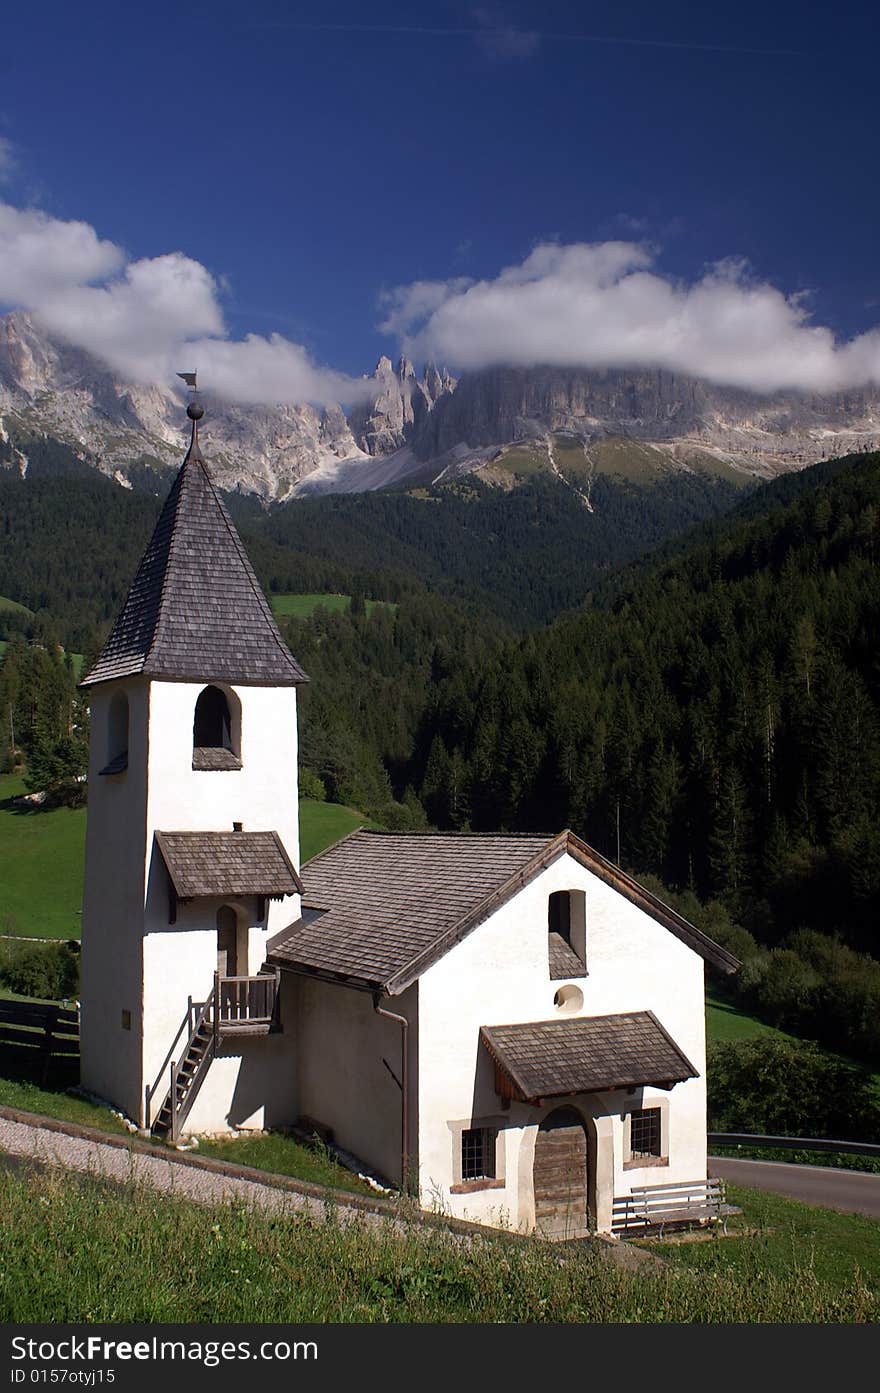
<point x="179" y="1109"/>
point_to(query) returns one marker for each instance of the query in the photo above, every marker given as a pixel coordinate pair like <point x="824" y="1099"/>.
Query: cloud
<point x="149" y="317"/>
<point x="41" y="256"/>
<point x="501" y="41"/>
<point x="596" y="305"/>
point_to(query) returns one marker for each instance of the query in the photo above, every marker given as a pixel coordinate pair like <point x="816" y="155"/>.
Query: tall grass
<point x="82" y="1251"/>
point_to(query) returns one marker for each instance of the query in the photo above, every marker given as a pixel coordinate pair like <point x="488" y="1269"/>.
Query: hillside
<point x="718" y="714"/>
<point x="73" y="540"/>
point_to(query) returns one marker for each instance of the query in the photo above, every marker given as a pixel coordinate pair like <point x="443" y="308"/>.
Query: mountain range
<point x="504" y="424"/>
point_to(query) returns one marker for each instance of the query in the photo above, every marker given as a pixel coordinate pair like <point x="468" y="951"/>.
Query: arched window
<point x="567" y="934"/>
<point x="217" y="730"/>
<point x="117" y="735"/>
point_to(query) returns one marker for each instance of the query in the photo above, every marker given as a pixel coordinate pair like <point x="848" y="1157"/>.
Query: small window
<point x="478" y="1153"/>
<point x="117" y="735"/>
<point x="216" y="731"/>
<point x="566" y="934"/>
<point x="645" y="1133"/>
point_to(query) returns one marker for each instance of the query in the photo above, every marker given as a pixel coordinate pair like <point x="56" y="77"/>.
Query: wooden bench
<point x="677" y="1202"/>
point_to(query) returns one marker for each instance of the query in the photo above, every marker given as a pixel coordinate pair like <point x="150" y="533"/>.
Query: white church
<point x="508" y="1025"/>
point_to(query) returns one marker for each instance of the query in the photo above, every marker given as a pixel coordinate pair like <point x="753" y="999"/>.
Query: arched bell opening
<point x="217" y="730"/>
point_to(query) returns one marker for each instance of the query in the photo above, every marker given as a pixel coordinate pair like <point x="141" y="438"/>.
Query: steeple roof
<point x="195" y="608"/>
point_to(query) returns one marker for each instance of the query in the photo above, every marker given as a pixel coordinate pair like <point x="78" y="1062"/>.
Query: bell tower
<point x="192" y="843"/>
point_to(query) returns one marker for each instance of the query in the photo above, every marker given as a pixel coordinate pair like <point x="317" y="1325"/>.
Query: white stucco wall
<point x="133" y="957"/>
<point x="499" y="975"/>
<point x="113" y="904"/>
<point x="342" y="1081"/>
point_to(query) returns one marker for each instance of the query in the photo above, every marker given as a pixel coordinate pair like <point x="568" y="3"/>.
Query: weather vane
<point x="195" y="411"/>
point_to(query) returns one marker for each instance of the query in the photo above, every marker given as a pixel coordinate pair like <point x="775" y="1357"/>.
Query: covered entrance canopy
<point x="586" y="1054"/>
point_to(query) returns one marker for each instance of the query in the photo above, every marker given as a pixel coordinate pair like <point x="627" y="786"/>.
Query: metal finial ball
<point x="195" y="411"/>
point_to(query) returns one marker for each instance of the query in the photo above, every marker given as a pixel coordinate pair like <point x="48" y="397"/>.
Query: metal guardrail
<point x="849" y="1148"/>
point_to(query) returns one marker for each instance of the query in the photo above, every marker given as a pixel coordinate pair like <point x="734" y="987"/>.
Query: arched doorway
<point x="227" y="941"/>
<point x="560" y="1175"/>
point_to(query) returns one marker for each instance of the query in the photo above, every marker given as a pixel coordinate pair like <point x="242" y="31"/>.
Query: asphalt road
<point x="853" y="1192"/>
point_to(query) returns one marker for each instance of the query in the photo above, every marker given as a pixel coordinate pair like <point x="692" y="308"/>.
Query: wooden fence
<point x="41" y="1030"/>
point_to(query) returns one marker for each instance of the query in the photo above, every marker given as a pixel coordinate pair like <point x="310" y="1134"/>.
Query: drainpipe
<point x="403" y="1084"/>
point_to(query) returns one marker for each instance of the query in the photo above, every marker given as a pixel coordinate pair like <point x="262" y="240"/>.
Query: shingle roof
<point x="585" y="1054"/>
<point x="195" y="608"/>
<point x="379" y="908"/>
<point x="390" y="898"/>
<point x="227" y="863"/>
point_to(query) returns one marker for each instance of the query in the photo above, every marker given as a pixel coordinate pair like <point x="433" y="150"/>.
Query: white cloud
<point x="147" y="318"/>
<point x="42" y="256"/>
<point x="604" y="305"/>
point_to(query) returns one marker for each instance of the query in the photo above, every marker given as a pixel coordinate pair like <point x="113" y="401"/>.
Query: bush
<point x="46" y="970"/>
<point x="788" y="1088"/>
<point x="311" y="786"/>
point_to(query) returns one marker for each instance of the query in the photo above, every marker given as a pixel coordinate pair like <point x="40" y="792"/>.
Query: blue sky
<point x="313" y="157"/>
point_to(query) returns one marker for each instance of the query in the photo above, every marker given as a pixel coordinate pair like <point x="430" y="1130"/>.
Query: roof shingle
<point x="227" y="863"/>
<point x="195" y="608"/>
<point x="585" y="1054"/>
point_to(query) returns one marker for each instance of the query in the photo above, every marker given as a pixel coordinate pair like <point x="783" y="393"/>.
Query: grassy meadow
<point x="41" y="853"/>
<point x="725" y="1021"/>
<point x="92" y="1252"/>
<point x="301" y="606"/>
<point x="775" y="1236"/>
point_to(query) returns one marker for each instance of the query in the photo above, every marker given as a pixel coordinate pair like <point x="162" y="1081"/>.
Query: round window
<point x="568" y="998"/>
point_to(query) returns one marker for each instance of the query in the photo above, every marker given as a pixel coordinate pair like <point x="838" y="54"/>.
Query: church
<point x="509" y="1026"/>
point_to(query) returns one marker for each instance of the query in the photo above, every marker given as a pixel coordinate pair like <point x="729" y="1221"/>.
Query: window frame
<point x="639" y="1160"/>
<point x="571" y="928"/>
<point x="459" y="1129"/>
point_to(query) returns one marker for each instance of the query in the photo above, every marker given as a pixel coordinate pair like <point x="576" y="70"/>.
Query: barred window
<point x="644" y="1132"/>
<point x="478" y="1153"/>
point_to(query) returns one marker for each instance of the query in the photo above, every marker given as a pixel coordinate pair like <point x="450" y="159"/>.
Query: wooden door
<point x="227" y="942"/>
<point x="560" y="1175"/>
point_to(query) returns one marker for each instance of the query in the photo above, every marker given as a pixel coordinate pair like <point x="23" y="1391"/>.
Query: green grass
<point x="322" y="824"/>
<point x="12" y="606"/>
<point x="30" y="1097"/>
<point x="86" y="1252"/>
<point x="522" y="461"/>
<point x="42" y="857"/>
<point x="786" y="1236"/>
<point x="724" y="1021"/>
<point x="301" y="606"/>
<point x="284" y="1155"/>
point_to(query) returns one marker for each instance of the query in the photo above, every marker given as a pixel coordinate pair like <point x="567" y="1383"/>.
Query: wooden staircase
<point x="237" y="1006"/>
<point x="187" y="1077"/>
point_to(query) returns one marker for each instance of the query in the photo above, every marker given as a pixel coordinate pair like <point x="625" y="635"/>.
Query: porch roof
<point x="584" y="1054"/>
<point x="227" y="863"/>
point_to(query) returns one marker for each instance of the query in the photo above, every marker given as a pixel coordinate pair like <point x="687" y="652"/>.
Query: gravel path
<point x="107" y="1162"/>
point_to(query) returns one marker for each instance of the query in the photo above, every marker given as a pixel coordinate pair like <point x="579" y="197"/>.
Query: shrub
<point x="311" y="786"/>
<point x="47" y="970"/>
<point x="788" y="1088"/>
